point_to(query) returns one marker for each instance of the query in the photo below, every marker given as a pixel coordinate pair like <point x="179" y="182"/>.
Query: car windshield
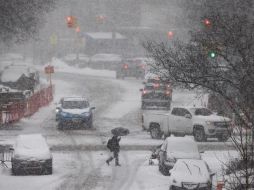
<point x="75" y="104"/>
<point x="202" y="111"/>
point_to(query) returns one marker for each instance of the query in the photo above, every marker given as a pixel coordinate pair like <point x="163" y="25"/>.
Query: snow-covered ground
<point x="117" y="104"/>
<point x="88" y="170"/>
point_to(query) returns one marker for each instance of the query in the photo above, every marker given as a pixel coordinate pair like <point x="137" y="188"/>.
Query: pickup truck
<point x="197" y="121"/>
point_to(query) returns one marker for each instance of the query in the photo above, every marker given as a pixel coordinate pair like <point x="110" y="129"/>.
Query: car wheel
<point x="223" y="138"/>
<point x="199" y="134"/>
<point x="48" y="171"/>
<point x="59" y="126"/>
<point x="143" y="106"/>
<point x="163" y="169"/>
<point x="155" y="132"/>
<point x="14" y="171"/>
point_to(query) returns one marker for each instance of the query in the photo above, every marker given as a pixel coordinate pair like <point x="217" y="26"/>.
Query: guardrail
<point x="14" y="111"/>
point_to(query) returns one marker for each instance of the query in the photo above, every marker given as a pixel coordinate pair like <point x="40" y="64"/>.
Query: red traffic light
<point x="207" y="22"/>
<point x="71" y="21"/>
<point x="170" y="34"/>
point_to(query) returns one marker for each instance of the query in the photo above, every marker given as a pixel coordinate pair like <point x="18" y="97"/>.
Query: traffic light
<point x="71" y="21"/>
<point x="170" y="34"/>
<point x="212" y="54"/>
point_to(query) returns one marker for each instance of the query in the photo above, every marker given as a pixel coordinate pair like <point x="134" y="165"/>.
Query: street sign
<point x="49" y="69"/>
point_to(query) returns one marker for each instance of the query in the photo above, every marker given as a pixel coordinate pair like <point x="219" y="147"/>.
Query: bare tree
<point x="219" y="59"/>
<point x="19" y="19"/>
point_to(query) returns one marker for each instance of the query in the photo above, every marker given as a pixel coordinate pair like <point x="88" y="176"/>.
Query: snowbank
<point x="61" y="66"/>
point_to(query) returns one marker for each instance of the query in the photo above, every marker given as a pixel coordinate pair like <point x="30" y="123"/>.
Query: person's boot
<point x="117" y="161"/>
<point x="109" y="160"/>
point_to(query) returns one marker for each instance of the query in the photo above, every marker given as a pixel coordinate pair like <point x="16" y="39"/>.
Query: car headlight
<point x="64" y="114"/>
<point x="57" y="110"/>
<point x="86" y="114"/>
<point x="209" y="123"/>
<point x="201" y="185"/>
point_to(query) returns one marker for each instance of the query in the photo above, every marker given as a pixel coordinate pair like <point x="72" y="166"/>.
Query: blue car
<point x="74" y="112"/>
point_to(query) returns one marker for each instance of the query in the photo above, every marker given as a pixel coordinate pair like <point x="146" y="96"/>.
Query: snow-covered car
<point x="174" y="148"/>
<point x="105" y="61"/>
<point x="190" y="174"/>
<point x="132" y="67"/>
<point x="31" y="155"/>
<point x="74" y="111"/>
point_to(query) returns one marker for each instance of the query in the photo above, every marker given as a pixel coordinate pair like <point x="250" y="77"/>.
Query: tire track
<point x="127" y="173"/>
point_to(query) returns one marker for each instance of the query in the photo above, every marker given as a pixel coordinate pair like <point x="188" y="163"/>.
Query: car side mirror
<point x="11" y="149"/>
<point x="141" y="90"/>
<point x="188" y="116"/>
<point x="201" y="152"/>
<point x="92" y="108"/>
<point x="212" y="174"/>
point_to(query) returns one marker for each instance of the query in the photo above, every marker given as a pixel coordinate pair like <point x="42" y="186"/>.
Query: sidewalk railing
<point x="14" y="111"/>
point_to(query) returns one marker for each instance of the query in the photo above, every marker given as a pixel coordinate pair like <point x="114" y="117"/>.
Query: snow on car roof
<point x="31" y="146"/>
<point x="104" y="35"/>
<point x="181" y="144"/>
<point x="77" y="98"/>
<point x="193" y="167"/>
<point x="106" y="57"/>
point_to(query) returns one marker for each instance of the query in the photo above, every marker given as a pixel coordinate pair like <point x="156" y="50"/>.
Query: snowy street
<point x="117" y="103"/>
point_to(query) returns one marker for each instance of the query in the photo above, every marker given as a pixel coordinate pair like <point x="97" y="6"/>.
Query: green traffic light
<point x="212" y="54"/>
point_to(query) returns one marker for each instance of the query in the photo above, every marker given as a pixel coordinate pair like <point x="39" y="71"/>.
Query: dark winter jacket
<point x="115" y="144"/>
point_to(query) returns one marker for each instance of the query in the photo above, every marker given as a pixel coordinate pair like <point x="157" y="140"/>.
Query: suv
<point x="131" y="68"/>
<point x="156" y="94"/>
<point x="174" y="148"/>
<point x="74" y="111"/>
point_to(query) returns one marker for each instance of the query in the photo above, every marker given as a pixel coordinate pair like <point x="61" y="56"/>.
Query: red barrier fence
<point x="14" y="111"/>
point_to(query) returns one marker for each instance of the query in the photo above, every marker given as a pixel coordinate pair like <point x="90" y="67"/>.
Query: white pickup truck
<point x="197" y="121"/>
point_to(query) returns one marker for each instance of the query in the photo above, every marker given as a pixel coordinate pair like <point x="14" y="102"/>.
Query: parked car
<point x="190" y="174"/>
<point x="197" y="121"/>
<point x="74" y="111"/>
<point x="31" y="155"/>
<point x="174" y="148"/>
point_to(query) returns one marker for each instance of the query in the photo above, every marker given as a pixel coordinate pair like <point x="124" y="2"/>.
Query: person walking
<point x="114" y="147"/>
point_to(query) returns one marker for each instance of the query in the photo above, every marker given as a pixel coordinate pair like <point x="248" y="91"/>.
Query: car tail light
<point x="156" y="85"/>
<point x="144" y="92"/>
<point x="125" y="66"/>
<point x="168" y="93"/>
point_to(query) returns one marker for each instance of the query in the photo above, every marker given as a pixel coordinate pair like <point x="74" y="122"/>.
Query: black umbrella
<point x="120" y="131"/>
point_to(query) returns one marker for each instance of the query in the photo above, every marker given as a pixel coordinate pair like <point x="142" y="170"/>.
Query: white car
<point x="190" y="174"/>
<point x="200" y="122"/>
<point x="31" y="155"/>
<point x="174" y="148"/>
